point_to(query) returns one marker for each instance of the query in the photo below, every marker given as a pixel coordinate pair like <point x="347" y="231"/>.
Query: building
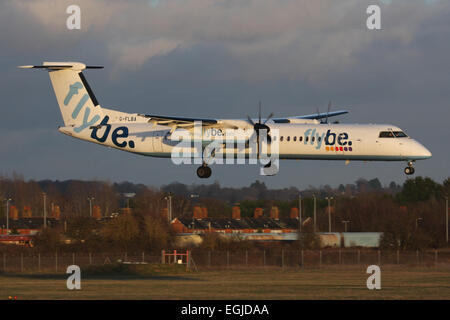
<point x="260" y="228"/>
<point x="22" y="240"/>
<point x="234" y="226"/>
<point x="27" y="226"/>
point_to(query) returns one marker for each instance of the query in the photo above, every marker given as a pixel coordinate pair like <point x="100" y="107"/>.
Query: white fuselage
<point x="296" y="141"/>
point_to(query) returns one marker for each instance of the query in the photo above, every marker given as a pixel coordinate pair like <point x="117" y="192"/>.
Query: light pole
<point x="446" y="218"/>
<point x="7" y="214"/>
<point x="90" y="199"/>
<point x="299" y="213"/>
<point x="45" y="210"/>
<point x="169" y="206"/>
<point x="329" y="213"/>
<point x="314" y="197"/>
<point x="417" y="222"/>
<point x="345" y="224"/>
<point x="193" y="218"/>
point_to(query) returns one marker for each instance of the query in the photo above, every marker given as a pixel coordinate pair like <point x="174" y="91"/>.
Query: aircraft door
<point x="157" y="142"/>
<point x="359" y="147"/>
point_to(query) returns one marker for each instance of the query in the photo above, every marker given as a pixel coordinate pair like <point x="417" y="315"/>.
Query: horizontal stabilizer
<point x="61" y="66"/>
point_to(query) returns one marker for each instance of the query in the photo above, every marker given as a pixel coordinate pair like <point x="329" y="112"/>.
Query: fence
<point x="281" y="258"/>
<point x="58" y="262"/>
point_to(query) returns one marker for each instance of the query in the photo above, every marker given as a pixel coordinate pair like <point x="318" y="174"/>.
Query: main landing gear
<point x="409" y="169"/>
<point x="204" y="171"/>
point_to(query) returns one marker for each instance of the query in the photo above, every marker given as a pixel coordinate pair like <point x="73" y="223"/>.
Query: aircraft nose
<point x="423" y="152"/>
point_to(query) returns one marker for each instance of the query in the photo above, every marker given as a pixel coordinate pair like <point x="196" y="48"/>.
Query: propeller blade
<point x="268" y="118"/>
<point x="318" y="113"/>
<point x="250" y="120"/>
<point x="328" y="111"/>
<point x="254" y="136"/>
<point x="259" y="112"/>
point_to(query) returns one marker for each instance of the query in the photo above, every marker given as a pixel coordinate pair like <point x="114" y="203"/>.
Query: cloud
<point x="135" y="55"/>
<point x="310" y="38"/>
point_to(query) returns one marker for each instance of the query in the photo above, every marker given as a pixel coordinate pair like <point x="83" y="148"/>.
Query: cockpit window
<point x="386" y="134"/>
<point x="392" y="134"/>
<point x="400" y="134"/>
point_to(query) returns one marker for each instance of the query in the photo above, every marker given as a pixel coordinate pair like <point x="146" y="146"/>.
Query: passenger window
<point x="281" y="138"/>
<point x="288" y="138"/>
<point x="275" y="138"/>
<point x="306" y="139"/>
<point x="295" y="138"/>
<point x="313" y="138"/>
<point x="300" y="138"/>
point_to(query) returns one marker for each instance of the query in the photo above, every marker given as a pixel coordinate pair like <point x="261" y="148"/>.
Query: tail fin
<point x="77" y="102"/>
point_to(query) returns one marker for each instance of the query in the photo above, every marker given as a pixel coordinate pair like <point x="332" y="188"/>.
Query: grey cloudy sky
<point x="218" y="59"/>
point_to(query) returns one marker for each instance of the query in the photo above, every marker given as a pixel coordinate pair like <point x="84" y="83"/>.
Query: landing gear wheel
<point x="204" y="172"/>
<point x="409" y="170"/>
<point x="208" y="172"/>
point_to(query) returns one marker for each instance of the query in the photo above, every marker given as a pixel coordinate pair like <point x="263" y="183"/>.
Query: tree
<point x="80" y="228"/>
<point x="122" y="231"/>
<point x="375" y="184"/>
<point x="419" y="189"/>
<point x="48" y="239"/>
<point x="446" y="188"/>
<point x="309" y="240"/>
<point x="156" y="233"/>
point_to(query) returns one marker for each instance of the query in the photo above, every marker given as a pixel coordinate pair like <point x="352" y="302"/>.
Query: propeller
<point x="260" y="126"/>
<point x="328" y="111"/>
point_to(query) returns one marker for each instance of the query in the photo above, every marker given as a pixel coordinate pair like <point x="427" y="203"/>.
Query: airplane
<point x="298" y="137"/>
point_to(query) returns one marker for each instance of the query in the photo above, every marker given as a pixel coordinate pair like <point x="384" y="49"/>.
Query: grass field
<point x="319" y="283"/>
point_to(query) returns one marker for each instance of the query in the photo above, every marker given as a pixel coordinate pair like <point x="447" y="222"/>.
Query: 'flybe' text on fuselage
<point x="118" y="133"/>
<point x="312" y="137"/>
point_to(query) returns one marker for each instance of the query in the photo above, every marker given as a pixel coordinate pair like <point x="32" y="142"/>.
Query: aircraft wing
<point x="322" y="115"/>
<point x="185" y="122"/>
<point x="181" y="122"/>
<point x="166" y="120"/>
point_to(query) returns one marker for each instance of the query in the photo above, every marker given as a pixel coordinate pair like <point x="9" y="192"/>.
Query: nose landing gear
<point x="409" y="170"/>
<point x="204" y="171"/>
